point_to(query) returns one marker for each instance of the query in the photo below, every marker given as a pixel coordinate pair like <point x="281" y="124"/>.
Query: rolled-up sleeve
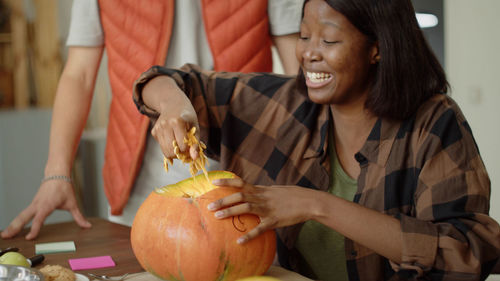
<point x="139" y="86"/>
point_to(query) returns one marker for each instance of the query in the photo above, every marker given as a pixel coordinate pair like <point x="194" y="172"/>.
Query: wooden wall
<point x="30" y="60"/>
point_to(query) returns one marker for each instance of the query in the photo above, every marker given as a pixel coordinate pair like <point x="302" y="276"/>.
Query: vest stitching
<point x="136" y="42"/>
<point x="217" y="24"/>
<point x="118" y="29"/>
<point x="138" y="69"/>
<point x="121" y="129"/>
<point x="254" y="58"/>
<point x="142" y="16"/>
<point x="115" y="160"/>
<point x="254" y="50"/>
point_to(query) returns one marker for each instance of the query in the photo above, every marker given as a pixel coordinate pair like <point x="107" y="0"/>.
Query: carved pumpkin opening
<point x="195" y="186"/>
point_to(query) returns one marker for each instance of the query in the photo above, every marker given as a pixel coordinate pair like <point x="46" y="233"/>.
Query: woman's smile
<point x="317" y="79"/>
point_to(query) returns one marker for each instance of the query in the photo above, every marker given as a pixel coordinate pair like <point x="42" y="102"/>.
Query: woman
<point x="374" y="171"/>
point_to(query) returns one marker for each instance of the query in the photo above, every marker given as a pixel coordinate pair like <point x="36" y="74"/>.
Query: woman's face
<point x="334" y="55"/>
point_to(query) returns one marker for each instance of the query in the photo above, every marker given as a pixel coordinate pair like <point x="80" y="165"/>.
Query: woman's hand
<point x="276" y="206"/>
<point x="169" y="129"/>
<point x="177" y="115"/>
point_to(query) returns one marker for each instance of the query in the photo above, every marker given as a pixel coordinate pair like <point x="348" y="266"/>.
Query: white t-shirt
<point x="86" y="30"/>
<point x="188" y="44"/>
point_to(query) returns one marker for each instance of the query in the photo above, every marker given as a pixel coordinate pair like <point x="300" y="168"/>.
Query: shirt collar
<point x="377" y="147"/>
<point x="379" y="143"/>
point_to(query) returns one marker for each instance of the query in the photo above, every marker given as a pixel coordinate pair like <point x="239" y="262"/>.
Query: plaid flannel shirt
<point x="426" y="170"/>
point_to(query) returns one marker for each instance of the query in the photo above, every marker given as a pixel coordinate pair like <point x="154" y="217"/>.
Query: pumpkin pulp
<point x="195" y="186"/>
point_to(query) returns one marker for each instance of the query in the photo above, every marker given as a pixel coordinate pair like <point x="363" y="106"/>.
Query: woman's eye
<point x="303" y="37"/>
<point x="330" y="42"/>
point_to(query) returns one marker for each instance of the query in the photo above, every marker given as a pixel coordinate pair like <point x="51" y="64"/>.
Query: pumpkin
<point x="175" y="237"/>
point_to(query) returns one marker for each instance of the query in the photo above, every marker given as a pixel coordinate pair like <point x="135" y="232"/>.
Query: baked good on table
<point x="57" y="273"/>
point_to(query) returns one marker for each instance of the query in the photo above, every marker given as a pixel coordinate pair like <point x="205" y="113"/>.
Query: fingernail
<point x="241" y="240"/>
<point x="211" y="206"/>
<point x="216" y="182"/>
<point x="219" y="214"/>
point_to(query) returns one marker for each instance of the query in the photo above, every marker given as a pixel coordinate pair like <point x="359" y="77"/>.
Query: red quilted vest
<point x="137" y="35"/>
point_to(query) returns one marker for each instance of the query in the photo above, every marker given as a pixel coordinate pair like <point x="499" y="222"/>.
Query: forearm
<point x="69" y="115"/>
<point x="374" y="230"/>
<point x="285" y="45"/>
<point x="163" y="95"/>
<point x="71" y="108"/>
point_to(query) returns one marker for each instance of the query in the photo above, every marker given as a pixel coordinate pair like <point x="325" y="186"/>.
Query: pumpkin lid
<point x="194" y="186"/>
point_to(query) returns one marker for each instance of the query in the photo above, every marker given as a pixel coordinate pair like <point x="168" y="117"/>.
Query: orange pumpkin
<point x="175" y="237"/>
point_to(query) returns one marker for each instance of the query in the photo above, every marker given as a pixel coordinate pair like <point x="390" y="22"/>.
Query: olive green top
<point x="322" y="247"/>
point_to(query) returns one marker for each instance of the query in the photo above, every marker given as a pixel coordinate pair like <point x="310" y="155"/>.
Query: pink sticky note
<point x="91" y="263"/>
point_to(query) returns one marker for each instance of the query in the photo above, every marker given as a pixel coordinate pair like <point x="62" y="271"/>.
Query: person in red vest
<point x="225" y="35"/>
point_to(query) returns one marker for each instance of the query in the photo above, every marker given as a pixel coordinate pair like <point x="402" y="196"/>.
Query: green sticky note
<point x="55" y="247"/>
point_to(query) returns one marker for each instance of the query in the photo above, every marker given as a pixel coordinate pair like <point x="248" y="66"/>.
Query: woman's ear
<point x="374" y="54"/>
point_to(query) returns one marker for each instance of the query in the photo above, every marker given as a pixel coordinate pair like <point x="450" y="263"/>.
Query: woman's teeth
<point x="317" y="77"/>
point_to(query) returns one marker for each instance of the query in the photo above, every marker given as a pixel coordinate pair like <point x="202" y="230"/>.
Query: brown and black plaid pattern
<point x="426" y="171"/>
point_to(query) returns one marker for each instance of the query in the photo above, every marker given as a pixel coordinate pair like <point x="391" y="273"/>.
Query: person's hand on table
<point x="276" y="206"/>
<point x="52" y="195"/>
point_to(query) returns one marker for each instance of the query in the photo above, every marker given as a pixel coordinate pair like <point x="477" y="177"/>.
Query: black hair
<point x="408" y="72"/>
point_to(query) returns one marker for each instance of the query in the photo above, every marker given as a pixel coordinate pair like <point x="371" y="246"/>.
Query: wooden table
<point x="104" y="238"/>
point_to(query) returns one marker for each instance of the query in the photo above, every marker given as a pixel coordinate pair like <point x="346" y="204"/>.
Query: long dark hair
<point x="408" y="72"/>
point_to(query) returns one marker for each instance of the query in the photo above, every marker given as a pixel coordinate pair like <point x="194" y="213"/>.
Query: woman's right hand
<point x="177" y="115"/>
<point x="52" y="195"/>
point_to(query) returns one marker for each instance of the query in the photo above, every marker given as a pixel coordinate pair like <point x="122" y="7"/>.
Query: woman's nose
<point x="311" y="53"/>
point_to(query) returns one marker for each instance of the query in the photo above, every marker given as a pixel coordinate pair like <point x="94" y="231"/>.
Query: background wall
<point x="434" y="35"/>
<point x="471" y="58"/>
<point x="472" y="41"/>
<point x="24" y="138"/>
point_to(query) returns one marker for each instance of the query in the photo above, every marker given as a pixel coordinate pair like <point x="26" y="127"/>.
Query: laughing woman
<point x="362" y="163"/>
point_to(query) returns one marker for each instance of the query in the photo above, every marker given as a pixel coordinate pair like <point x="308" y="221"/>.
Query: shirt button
<point x="360" y="158"/>
<point x="354" y="253"/>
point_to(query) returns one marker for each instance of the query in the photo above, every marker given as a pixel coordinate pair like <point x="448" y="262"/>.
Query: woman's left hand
<point x="276" y="206"/>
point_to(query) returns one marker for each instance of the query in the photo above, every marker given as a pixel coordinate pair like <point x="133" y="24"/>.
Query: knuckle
<point x="175" y="122"/>
<point x="255" y="232"/>
<point x="273" y="223"/>
<point x="239" y="182"/>
<point x="240" y="196"/>
<point x="167" y="150"/>
<point x="224" y="213"/>
<point x="247" y="208"/>
<point x="219" y="203"/>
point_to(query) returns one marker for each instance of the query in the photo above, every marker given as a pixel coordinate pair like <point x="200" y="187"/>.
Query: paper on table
<point x="55" y="247"/>
<point x="91" y="263"/>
